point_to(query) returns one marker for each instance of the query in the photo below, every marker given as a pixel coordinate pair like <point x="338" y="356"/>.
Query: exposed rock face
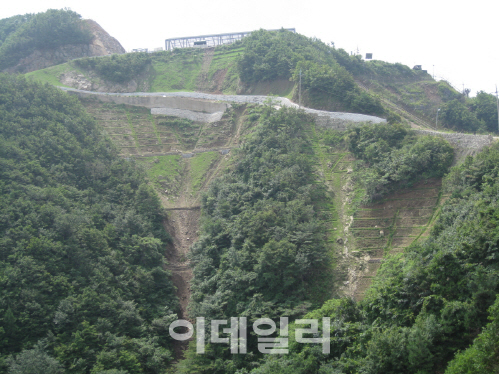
<point x="94" y="83"/>
<point x="101" y="45"/>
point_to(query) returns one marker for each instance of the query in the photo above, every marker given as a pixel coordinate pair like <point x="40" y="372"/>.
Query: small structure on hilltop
<point x="208" y="40"/>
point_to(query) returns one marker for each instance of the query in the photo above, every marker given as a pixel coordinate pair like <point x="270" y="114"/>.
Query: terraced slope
<point x="178" y="157"/>
<point x="391" y="225"/>
<point x="137" y="132"/>
<point x="363" y="235"/>
<point x="182" y="156"/>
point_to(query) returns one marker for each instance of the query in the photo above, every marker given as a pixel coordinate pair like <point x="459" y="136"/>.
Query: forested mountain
<point x="35" y="41"/>
<point x="263" y="252"/>
<point x="10" y="25"/>
<point x="47" y="30"/>
<point x="291" y="218"/>
<point x="82" y="277"/>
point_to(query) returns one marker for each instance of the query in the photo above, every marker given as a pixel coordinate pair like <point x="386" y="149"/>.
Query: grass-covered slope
<point x="180" y="70"/>
<point x="81" y="243"/>
<point x="40" y="31"/>
<point x="416" y="96"/>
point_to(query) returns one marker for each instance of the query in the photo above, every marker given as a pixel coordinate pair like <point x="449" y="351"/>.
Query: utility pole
<point x="299" y="93"/>
<point x="497" y="97"/>
<point x="436" y="121"/>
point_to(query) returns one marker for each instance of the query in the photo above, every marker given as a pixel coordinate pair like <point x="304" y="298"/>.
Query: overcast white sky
<point x="455" y="40"/>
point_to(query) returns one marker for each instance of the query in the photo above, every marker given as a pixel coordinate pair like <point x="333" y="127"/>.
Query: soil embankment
<point x="183" y="227"/>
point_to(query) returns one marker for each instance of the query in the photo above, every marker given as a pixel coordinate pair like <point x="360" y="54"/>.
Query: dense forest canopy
<point x="393" y="157"/>
<point x="326" y="72"/>
<point x="10" y="25"/>
<point x="82" y="279"/>
<point x="475" y="114"/>
<point x="263" y="244"/>
<point x="25" y="34"/>
<point x="117" y="68"/>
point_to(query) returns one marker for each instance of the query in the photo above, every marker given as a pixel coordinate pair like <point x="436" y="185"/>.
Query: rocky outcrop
<point x="101" y="45"/>
<point x="92" y="82"/>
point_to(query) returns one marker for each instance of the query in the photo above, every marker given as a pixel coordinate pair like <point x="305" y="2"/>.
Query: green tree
<point x="81" y="237"/>
<point x="456" y="115"/>
<point x="483" y="355"/>
<point x="34" y="361"/>
<point x="43" y="30"/>
<point x="484" y="106"/>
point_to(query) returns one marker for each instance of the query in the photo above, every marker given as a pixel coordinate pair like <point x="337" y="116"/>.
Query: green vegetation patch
<point x="392" y="156"/>
<point x="47" y="30"/>
<point x="185" y="131"/>
<point x="223" y="60"/>
<point x="51" y="75"/>
<point x="327" y="82"/>
<point x="200" y="164"/>
<point x="163" y="172"/>
<point x="175" y="71"/>
<point x="116" y="68"/>
<point x="10" y="25"/>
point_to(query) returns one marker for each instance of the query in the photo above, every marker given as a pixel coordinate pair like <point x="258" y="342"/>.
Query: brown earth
<point x="203" y="84"/>
<point x="183" y="226"/>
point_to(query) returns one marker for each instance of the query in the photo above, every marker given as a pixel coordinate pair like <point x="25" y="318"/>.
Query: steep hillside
<point x="185" y="159"/>
<point x="278" y="212"/>
<point x="427" y="304"/>
<point x="271" y="62"/>
<point x="83" y="279"/>
<point x="34" y="42"/>
<point x="249" y="66"/>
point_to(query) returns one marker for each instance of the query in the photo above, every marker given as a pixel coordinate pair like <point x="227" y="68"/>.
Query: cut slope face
<point x="388" y="227"/>
<point x="180" y="157"/>
<point x="363" y="236"/>
<point x="137" y="132"/>
<point x="201" y="70"/>
<point x="103" y="44"/>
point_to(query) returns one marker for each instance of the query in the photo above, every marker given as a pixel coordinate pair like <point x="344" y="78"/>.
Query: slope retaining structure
<point x="459" y="140"/>
<point x="210" y="108"/>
